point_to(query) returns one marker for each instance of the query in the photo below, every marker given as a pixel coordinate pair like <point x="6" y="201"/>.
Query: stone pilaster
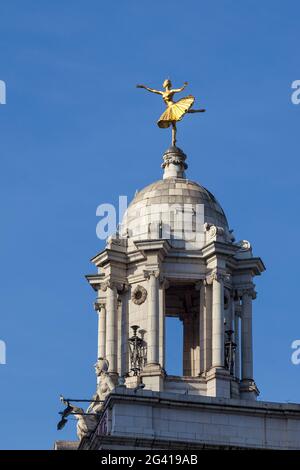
<point x="218" y="378"/>
<point x="153" y="374"/>
<point x="153" y="317"/>
<point x="202" y="322"/>
<point x="111" y="327"/>
<point x="124" y="332"/>
<point x="119" y="335"/>
<point x="237" y="365"/>
<point x="247" y="353"/>
<point x="248" y="388"/>
<point x="217" y="320"/>
<point x="163" y="286"/>
<point x="207" y="326"/>
<point x="100" y="308"/>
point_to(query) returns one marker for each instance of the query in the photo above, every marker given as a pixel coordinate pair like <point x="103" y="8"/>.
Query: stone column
<point x="124" y="333"/>
<point x="217" y="321"/>
<point x="164" y="285"/>
<point x="111" y="328"/>
<point x="101" y="330"/>
<point x="202" y="325"/>
<point x="246" y="330"/>
<point x="153" y="318"/>
<point x="237" y="342"/>
<point x="119" y="333"/>
<point x="208" y="326"/>
<point x="153" y="375"/>
<point x="231" y="315"/>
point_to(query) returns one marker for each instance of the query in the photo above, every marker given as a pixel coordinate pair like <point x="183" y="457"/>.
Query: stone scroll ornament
<point x="175" y="109"/>
<point x="139" y="295"/>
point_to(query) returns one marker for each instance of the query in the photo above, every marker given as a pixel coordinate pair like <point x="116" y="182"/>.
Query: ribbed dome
<point x="152" y="210"/>
<point x="174" y="208"/>
<point x="181" y="191"/>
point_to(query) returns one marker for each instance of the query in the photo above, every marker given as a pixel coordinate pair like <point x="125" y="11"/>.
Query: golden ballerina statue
<point x="175" y="109"/>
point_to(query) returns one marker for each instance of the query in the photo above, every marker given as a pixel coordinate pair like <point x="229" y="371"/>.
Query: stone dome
<point x="174" y="208"/>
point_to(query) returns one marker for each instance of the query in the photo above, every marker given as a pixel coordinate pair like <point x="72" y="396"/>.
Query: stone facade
<point x="159" y="420"/>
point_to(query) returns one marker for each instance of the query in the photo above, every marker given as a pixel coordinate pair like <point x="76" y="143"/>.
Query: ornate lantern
<point x="137" y="350"/>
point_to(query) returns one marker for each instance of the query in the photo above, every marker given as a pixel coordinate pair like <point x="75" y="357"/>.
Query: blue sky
<point x="75" y="133"/>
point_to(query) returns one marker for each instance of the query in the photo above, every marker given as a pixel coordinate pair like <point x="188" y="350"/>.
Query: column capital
<point x="151" y="272"/>
<point x="247" y="291"/>
<point x="99" y="305"/>
<point x="106" y="284"/>
<point x="112" y="284"/>
<point x="217" y="275"/>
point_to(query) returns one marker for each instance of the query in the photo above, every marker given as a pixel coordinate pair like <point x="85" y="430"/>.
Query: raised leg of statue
<point x="191" y="111"/>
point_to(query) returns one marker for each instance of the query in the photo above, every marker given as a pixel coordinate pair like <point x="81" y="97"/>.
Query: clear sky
<point x="75" y="133"/>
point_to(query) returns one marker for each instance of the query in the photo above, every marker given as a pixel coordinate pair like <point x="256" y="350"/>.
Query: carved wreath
<point x="139" y="295"/>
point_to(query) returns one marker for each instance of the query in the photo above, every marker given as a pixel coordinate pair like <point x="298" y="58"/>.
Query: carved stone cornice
<point x="157" y="249"/>
<point x="95" y="280"/>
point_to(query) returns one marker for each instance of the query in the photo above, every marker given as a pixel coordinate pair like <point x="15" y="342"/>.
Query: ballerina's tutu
<point x="176" y="111"/>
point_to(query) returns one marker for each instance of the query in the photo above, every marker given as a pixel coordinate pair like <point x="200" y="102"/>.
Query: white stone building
<point x="175" y="255"/>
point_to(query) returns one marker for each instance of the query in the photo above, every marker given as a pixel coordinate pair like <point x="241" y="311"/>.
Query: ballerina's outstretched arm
<point x="178" y="90"/>
<point x="150" y="89"/>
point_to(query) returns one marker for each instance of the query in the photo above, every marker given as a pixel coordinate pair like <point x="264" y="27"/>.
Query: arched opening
<point x="182" y="330"/>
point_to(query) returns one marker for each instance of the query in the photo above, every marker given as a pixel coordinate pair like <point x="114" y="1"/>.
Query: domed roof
<point x="180" y="191"/>
<point x="174" y="208"/>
